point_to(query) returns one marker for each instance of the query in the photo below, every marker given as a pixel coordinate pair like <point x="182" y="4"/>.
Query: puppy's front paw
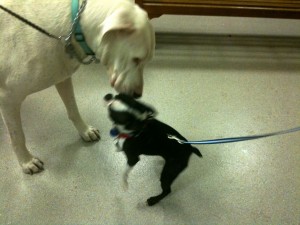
<point x="125" y="178"/>
<point x="125" y="182"/>
<point x="90" y="134"/>
<point x="33" y="166"/>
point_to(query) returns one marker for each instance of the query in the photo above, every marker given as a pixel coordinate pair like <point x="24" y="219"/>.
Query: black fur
<point x="151" y="138"/>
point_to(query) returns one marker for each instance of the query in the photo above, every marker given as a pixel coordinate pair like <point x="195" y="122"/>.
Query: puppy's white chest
<point x="119" y="142"/>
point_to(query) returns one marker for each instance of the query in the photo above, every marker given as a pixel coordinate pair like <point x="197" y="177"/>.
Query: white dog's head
<point x="126" y="43"/>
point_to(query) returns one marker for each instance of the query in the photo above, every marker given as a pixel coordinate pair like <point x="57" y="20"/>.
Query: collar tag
<point x="116" y="134"/>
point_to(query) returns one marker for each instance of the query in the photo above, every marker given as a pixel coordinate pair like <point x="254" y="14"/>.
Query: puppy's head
<point x="128" y="115"/>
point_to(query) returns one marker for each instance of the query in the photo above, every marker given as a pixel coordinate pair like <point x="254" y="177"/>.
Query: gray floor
<point x="204" y="83"/>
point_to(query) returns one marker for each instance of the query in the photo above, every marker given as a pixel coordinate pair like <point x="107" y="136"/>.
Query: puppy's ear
<point x="150" y="112"/>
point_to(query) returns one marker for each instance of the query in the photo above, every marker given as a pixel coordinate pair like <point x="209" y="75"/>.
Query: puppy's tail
<point x="196" y="151"/>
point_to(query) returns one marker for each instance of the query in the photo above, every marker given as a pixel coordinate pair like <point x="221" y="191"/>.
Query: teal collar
<point x="78" y="33"/>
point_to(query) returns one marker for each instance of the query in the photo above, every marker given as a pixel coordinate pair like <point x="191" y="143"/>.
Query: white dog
<point x="117" y="31"/>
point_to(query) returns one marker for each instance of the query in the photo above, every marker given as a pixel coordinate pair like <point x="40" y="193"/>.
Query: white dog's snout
<point x="131" y="84"/>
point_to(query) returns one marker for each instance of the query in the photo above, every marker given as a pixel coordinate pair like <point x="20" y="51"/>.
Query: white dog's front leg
<point x="66" y="92"/>
<point x="125" y="177"/>
<point x="10" y="110"/>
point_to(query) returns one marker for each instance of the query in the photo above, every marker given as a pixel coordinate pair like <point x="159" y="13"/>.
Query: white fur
<point x="117" y="105"/>
<point x="118" y="32"/>
<point x="125" y="177"/>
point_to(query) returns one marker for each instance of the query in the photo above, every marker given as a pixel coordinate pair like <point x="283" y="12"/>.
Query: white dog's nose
<point x="126" y="83"/>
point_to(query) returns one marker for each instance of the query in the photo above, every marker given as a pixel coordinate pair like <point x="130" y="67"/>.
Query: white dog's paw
<point x="90" y="134"/>
<point x="33" y="166"/>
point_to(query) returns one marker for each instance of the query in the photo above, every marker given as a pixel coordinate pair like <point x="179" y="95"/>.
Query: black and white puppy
<point x="141" y="134"/>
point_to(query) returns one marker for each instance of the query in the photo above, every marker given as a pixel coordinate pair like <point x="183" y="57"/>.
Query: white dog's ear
<point x="121" y="20"/>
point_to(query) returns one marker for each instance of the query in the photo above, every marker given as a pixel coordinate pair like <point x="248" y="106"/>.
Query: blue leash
<point x="232" y="139"/>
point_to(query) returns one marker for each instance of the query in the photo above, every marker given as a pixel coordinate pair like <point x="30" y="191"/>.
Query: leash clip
<point x="69" y="48"/>
<point x="175" y="138"/>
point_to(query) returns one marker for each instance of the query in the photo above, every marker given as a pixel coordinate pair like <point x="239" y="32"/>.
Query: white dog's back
<point x="31" y="61"/>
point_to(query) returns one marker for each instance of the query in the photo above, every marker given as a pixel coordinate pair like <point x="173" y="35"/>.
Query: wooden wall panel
<point x="246" y="8"/>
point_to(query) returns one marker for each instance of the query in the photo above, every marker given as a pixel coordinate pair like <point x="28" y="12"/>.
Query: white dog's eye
<point x="137" y="61"/>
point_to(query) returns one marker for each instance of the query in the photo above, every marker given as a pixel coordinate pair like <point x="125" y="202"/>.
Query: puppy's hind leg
<point x="169" y="173"/>
<point x="10" y="110"/>
<point x="66" y="92"/>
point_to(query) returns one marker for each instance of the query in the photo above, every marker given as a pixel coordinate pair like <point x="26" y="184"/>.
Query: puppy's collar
<point x="125" y="136"/>
<point x="117" y="135"/>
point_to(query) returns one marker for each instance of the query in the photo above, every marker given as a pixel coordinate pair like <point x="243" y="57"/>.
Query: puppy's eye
<point x="137" y="61"/>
